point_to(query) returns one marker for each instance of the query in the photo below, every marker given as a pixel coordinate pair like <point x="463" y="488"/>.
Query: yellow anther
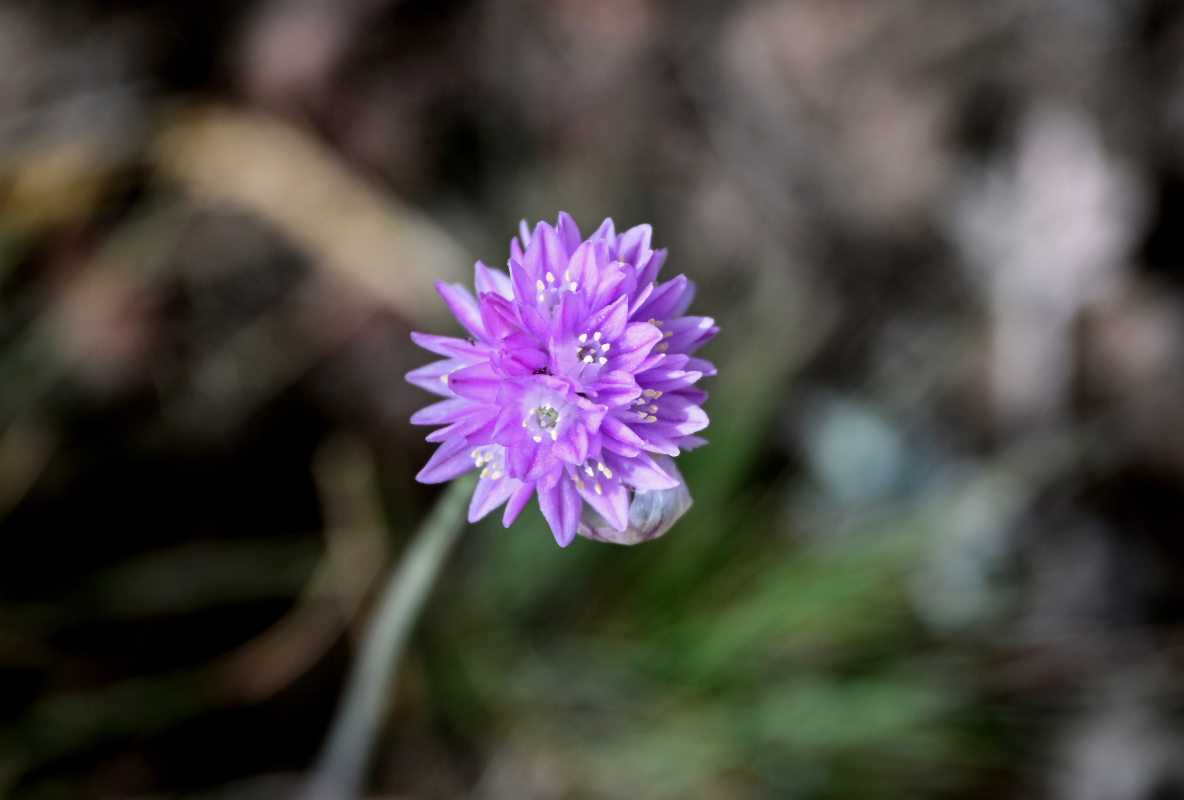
<point x="550" y="278"/>
<point x="583" y="338"/>
<point x="598" y="489"/>
<point x="485" y="472"/>
<point x="603" y="360"/>
<point x="554" y="435"/>
<point x="540" y="285"/>
<point x="596" y="336"/>
<point x="537" y="438"/>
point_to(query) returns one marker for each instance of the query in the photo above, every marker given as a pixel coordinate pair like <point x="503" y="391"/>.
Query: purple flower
<point x="577" y="384"/>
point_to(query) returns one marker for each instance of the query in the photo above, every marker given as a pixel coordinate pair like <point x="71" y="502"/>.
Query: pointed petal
<point x="611" y="502"/>
<point x="606" y="231"/>
<point x="687" y="334"/>
<point x="641" y="472"/>
<point x="544" y="254"/>
<point x="663" y="300"/>
<point x="634" y="244"/>
<point x="464" y="306"/>
<point x="492" y="280"/>
<point x="560" y="505"/>
<point x="434" y="377"/>
<point x="489" y="494"/>
<point x="449" y="461"/>
<point x="477" y="382"/>
<point x="609" y="321"/>
<point x="469" y="352"/>
<point x="442" y="412"/>
<point x="517" y="502"/>
<point x="569" y="232"/>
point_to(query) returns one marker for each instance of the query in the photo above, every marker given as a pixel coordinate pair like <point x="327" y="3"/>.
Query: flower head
<point x="577" y="384"/>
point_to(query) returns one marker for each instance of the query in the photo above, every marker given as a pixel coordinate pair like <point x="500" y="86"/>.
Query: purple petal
<point x="476" y="424"/>
<point x="635" y="243"/>
<point x="464" y="306"/>
<point x="686" y="334"/>
<point x="641" y="472"/>
<point x="610" y="321"/>
<point x="616" y="388"/>
<point x="491" y="493"/>
<point x="469" y="352"/>
<point x="500" y="315"/>
<point x="434" y="377"/>
<point x="449" y="461"/>
<point x="605" y="231"/>
<point x="619" y="437"/>
<point x="490" y="280"/>
<point x="517" y="502"/>
<point x="663" y="300"/>
<point x="544" y="254"/>
<point x="702" y="366"/>
<point x="478" y="382"/>
<point x="569" y="232"/>
<point x="611" y="502"/>
<point x="442" y="412"/>
<point x="649" y="272"/>
<point x="560" y="505"/>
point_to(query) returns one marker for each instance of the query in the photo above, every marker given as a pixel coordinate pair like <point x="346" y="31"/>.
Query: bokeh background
<point x="936" y="544"/>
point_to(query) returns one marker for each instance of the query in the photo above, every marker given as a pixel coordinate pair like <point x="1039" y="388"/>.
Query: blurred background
<point x="936" y="544"/>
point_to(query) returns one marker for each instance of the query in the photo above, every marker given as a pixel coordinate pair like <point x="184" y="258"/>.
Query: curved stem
<point x="342" y="763"/>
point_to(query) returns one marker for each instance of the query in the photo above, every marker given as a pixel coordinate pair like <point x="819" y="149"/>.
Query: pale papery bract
<point x="576" y="384"/>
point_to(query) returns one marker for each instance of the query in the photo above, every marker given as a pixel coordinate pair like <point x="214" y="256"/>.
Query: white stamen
<point x="583" y="338"/>
<point x="540" y="285"/>
<point x="550" y="278"/>
<point x="537" y="438"/>
<point x="596" y="336"/>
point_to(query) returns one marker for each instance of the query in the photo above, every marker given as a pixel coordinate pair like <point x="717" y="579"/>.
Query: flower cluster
<point x="577" y="384"/>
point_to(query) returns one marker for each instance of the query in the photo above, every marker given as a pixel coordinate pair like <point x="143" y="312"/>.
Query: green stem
<point x="342" y="763"/>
